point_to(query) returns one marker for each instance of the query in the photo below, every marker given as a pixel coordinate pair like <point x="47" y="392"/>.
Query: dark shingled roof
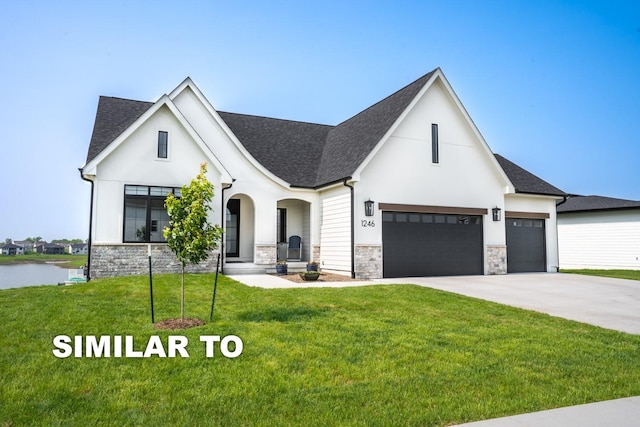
<point x="526" y="182"/>
<point x="290" y="150"/>
<point x="595" y="203"/>
<point x="304" y="154"/>
<point x="113" y="117"/>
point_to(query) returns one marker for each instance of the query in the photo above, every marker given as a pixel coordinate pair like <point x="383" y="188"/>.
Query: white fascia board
<point x="232" y="137"/>
<point x="536" y="196"/>
<point x="438" y="74"/>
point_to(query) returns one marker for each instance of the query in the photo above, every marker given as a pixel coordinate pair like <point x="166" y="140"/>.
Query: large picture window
<point x="144" y="213"/>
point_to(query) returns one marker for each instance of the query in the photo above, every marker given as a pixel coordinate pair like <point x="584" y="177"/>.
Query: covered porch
<point x="245" y="254"/>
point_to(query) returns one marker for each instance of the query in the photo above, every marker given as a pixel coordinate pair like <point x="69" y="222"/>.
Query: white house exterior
<point x="417" y="155"/>
<point x="11" y="249"/>
<point x="596" y="232"/>
<point x="77" y="249"/>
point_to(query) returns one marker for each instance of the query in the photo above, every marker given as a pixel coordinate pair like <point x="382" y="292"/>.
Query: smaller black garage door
<point x="526" y="249"/>
<point x="419" y="244"/>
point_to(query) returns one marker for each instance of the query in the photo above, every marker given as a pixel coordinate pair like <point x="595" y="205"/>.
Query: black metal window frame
<point x="233" y="234"/>
<point x="282" y="225"/>
<point x="163" y="144"/>
<point x="145" y="196"/>
<point x="435" y="149"/>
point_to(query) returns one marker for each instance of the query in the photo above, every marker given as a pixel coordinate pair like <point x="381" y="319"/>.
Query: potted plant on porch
<point x="312" y="266"/>
<point x="281" y="267"/>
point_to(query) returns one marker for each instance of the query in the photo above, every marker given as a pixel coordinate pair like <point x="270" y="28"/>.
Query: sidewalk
<point x="620" y="412"/>
<point x="269" y="281"/>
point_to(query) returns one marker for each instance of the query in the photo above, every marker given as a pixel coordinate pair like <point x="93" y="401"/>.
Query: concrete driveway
<point x="609" y="303"/>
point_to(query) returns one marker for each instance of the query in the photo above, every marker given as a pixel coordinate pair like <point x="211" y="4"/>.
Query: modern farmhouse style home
<point x="407" y="187"/>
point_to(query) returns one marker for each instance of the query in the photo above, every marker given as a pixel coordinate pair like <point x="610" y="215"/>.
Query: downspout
<point x="353" y="236"/>
<point x="223" y="214"/>
<point x="564" y="200"/>
<point x="90" y="226"/>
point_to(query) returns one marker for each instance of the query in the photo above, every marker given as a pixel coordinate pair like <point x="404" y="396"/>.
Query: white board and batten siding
<point x="605" y="240"/>
<point x="335" y="233"/>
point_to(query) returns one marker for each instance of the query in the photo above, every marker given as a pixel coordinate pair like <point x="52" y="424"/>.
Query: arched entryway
<point x="239" y="229"/>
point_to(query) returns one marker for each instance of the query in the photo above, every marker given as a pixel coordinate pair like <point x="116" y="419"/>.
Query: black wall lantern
<point x="368" y="207"/>
<point x="496" y="213"/>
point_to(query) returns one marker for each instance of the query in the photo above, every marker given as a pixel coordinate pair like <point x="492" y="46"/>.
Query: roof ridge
<point x="275" y="118"/>
<point x="576" y="203"/>
<point x="606" y="197"/>
<point x="126" y="99"/>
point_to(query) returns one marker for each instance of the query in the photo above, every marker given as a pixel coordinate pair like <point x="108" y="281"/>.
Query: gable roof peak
<point x="352" y="141"/>
<point x="419" y="82"/>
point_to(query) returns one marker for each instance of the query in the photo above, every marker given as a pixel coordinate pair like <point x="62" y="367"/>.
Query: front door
<point x="232" y="231"/>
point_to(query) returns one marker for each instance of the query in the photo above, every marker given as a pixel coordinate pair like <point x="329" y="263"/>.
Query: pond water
<point x="20" y="275"/>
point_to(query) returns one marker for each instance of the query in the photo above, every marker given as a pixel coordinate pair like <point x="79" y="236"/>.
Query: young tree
<point x="190" y="235"/>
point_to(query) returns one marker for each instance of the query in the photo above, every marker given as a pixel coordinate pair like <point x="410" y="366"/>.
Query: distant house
<point x="12" y="249"/>
<point x="49" y="248"/>
<point x="599" y="233"/>
<point x="406" y="187"/>
<point x="38" y="247"/>
<point x="53" y="249"/>
<point x="78" y="249"/>
<point x="26" y="245"/>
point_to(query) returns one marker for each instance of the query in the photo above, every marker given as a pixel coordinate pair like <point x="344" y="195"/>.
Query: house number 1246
<point x="367" y="223"/>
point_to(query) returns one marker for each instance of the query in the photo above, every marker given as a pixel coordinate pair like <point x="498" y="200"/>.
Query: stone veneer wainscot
<point x="133" y="259"/>
<point x="497" y="259"/>
<point x="368" y="261"/>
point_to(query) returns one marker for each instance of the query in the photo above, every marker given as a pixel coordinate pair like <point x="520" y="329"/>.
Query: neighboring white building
<point x="596" y="232"/>
<point x="416" y="157"/>
<point x="77" y="249"/>
<point x="26" y="246"/>
<point x="11" y="249"/>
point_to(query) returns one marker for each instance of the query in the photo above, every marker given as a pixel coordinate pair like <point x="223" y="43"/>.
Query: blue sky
<point x="552" y="85"/>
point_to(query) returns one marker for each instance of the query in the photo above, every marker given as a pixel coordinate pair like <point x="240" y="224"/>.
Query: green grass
<point x="617" y="274"/>
<point x="65" y="260"/>
<point x="367" y="356"/>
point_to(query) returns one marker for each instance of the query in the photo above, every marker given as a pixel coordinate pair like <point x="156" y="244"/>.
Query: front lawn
<point x="617" y="274"/>
<point x="376" y="355"/>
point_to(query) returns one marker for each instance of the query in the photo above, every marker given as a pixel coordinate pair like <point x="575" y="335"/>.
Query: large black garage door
<point x="418" y="244"/>
<point x="526" y="250"/>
